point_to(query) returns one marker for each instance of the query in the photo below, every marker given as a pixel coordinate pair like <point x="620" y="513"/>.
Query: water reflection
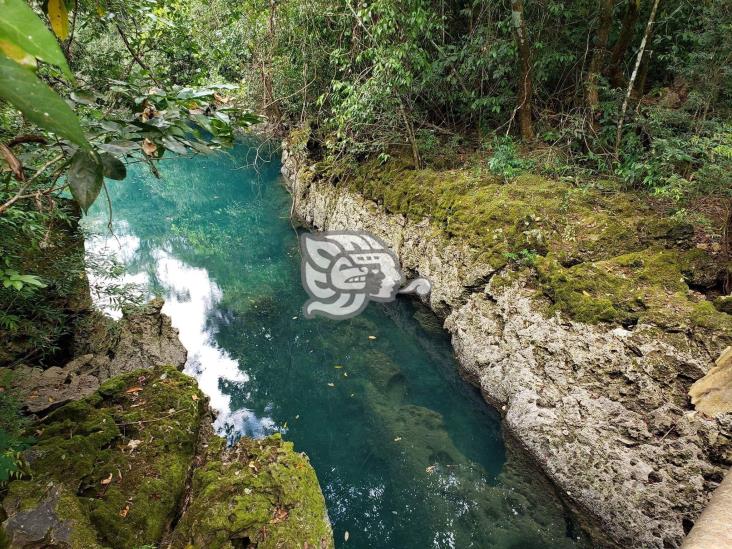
<point x="190" y="299"/>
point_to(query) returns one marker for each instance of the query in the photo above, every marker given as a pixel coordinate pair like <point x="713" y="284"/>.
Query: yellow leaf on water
<point x="346" y="536"/>
<point x="17" y="54"/>
<point x="397" y="439"/>
<point x="331" y="384"/>
<point x="372" y="337"/>
<point x="59" y="18"/>
<point x="338" y="366"/>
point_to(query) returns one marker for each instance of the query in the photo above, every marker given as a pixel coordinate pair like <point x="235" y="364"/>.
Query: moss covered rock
<point x="122" y="454"/>
<point x="602" y="254"/>
<point x="258" y="493"/>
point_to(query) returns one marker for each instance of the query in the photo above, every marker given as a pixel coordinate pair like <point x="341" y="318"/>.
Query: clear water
<point x="407" y="453"/>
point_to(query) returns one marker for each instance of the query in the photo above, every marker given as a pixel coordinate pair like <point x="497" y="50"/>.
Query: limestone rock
<point x="52" y="519"/>
<point x="145" y="338"/>
<point x="122" y="456"/>
<point x="712" y="394"/>
<point x="42" y="390"/>
<point x="601" y="408"/>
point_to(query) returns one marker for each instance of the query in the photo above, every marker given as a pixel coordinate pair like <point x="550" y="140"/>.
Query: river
<point x="407" y="453"/>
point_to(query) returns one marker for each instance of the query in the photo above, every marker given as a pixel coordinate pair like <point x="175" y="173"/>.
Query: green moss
<point x="125" y="451"/>
<point x="649" y="286"/>
<point x="259" y="490"/>
<point x="602" y="255"/>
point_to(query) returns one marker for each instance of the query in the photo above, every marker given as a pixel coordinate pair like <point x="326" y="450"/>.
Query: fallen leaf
<point x="194" y="397"/>
<point x="148" y="147"/>
<point x="133" y="390"/>
<point x="346" y="536"/>
<point x="331" y="384"/>
<point x="107" y="480"/>
<point x="279" y="515"/>
<point x="431" y="469"/>
<point x="372" y="337"/>
<point x="397" y="439"/>
<point x="123" y="512"/>
<point x="338" y="366"/>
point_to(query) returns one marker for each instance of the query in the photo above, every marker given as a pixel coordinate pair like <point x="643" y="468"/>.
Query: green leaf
<point x="21" y="26"/>
<point x="38" y="102"/>
<point x="113" y="167"/>
<point x="85" y="178"/>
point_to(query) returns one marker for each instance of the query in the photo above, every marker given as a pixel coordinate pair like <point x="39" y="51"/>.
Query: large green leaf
<point x="20" y="26"/>
<point x="85" y="177"/>
<point x="39" y="103"/>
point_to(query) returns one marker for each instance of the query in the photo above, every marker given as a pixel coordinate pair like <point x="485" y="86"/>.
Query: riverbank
<point x="122" y="452"/>
<point x="582" y="316"/>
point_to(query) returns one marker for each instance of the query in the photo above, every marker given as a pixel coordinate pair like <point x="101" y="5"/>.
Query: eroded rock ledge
<point x="603" y="409"/>
<point x="125" y="456"/>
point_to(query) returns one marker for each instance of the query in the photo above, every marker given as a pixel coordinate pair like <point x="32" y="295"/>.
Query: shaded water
<point x="407" y="453"/>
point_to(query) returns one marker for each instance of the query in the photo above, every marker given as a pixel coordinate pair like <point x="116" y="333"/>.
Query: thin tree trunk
<point x="270" y="105"/>
<point x="599" y="53"/>
<point x="412" y="138"/>
<point x="727" y="248"/>
<point x="639" y="57"/>
<point x="523" y="101"/>
<point x="640" y="84"/>
<point x="627" y="31"/>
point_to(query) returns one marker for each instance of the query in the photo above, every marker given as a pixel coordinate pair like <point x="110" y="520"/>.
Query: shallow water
<point x="407" y="453"/>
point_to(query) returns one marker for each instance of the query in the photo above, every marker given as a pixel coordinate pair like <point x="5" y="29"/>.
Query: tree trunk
<point x="627" y="31"/>
<point x="640" y="84"/>
<point x="523" y="100"/>
<point x="727" y="249"/>
<point x="599" y="53"/>
<point x="638" y="59"/>
<point x="269" y="103"/>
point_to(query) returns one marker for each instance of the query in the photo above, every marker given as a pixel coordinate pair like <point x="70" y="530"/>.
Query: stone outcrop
<point x="600" y="407"/>
<point x="136" y="463"/>
<point x="143" y="338"/>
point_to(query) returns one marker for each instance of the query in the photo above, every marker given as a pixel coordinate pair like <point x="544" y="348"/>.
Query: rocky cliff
<point x="579" y="320"/>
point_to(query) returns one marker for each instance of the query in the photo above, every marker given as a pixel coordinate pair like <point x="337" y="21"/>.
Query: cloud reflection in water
<point x="190" y="297"/>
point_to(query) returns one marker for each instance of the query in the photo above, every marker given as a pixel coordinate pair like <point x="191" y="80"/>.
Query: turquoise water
<point x="407" y="453"/>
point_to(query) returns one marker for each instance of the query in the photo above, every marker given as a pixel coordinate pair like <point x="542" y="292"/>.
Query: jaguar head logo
<point x="343" y="271"/>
